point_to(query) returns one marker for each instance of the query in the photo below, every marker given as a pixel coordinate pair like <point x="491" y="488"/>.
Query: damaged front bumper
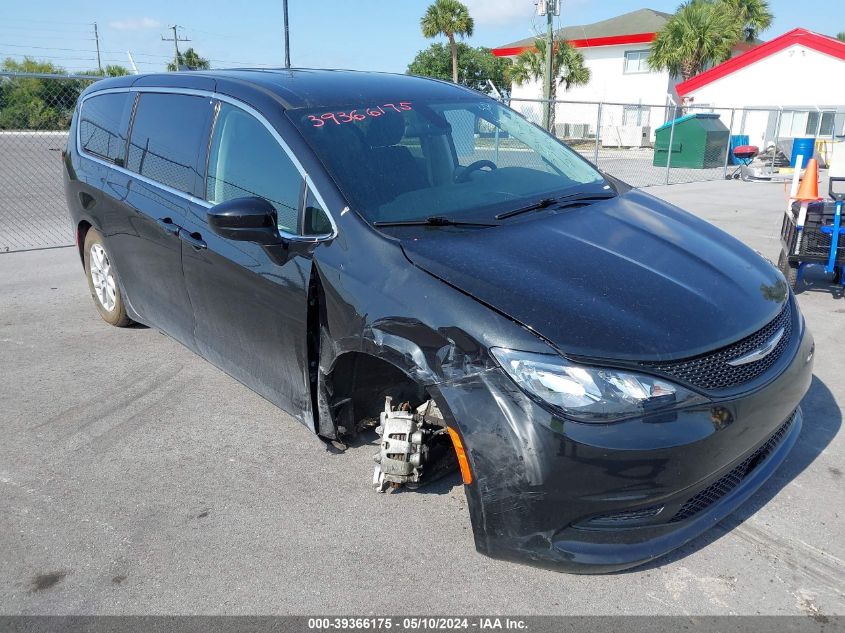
<point x="590" y="498"/>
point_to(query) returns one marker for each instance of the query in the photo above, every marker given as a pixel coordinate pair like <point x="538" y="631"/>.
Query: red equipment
<point x="744" y="154"/>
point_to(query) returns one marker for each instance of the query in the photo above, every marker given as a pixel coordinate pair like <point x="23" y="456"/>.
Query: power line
<point x="51" y="37"/>
<point x="31" y="29"/>
<point x="228" y="37"/>
<point x="51" y="48"/>
<point x="50" y="57"/>
<point x="83" y="50"/>
<point x="107" y="55"/>
<point x="42" y="20"/>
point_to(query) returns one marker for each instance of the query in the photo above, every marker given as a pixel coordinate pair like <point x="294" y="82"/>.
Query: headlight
<point x="591" y="394"/>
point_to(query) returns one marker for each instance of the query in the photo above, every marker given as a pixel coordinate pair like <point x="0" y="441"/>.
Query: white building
<point x="794" y="81"/>
<point x="615" y="51"/>
<point x="634" y="98"/>
<point x="797" y="77"/>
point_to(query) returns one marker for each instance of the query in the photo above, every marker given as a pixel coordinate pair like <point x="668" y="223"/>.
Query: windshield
<point x="411" y="160"/>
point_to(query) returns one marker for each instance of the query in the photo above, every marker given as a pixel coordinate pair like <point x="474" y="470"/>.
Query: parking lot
<point x="136" y="478"/>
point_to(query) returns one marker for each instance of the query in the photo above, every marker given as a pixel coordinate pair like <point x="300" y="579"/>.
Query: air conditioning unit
<point x="574" y="131"/>
<point x="625" y="136"/>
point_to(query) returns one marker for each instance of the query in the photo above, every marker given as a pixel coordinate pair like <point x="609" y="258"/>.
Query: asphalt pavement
<point x="135" y="478"/>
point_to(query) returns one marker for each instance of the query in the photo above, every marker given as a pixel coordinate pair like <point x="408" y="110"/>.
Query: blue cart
<point x="820" y="241"/>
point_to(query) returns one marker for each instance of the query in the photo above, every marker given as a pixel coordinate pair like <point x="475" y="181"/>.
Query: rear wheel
<point x="789" y="270"/>
<point x="102" y="280"/>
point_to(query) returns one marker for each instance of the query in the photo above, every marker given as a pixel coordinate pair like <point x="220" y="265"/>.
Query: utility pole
<point x="549" y="8"/>
<point x="176" y="39"/>
<point x="97" y="40"/>
<point x="287" y="35"/>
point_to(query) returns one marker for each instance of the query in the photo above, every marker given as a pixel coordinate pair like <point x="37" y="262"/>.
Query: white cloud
<point x="501" y="11"/>
<point x="135" y="24"/>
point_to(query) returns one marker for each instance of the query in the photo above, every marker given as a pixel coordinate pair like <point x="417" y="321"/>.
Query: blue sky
<point x="360" y="34"/>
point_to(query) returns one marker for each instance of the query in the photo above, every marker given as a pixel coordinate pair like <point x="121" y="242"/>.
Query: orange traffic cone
<point x="808" y="192"/>
<point x="809" y="189"/>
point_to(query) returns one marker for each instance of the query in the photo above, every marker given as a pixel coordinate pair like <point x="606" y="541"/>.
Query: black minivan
<point x="610" y="374"/>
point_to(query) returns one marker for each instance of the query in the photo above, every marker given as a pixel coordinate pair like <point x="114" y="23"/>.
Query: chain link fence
<point x="643" y="145"/>
<point x="35" y="114"/>
<point x="647" y="145"/>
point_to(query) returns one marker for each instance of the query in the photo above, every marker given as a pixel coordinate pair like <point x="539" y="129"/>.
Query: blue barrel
<point x="737" y="140"/>
<point x="805" y="147"/>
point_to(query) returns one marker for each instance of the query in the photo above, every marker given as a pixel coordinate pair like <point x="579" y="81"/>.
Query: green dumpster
<point x="700" y="141"/>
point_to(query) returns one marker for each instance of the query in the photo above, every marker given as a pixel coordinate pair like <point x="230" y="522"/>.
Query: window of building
<point x="821" y="122"/>
<point x="636" y="61"/>
<point x="102" y="125"/>
<point x="169" y="137"/>
<point x="247" y="160"/>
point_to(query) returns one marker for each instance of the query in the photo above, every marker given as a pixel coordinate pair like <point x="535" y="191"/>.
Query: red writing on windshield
<point x="339" y="118"/>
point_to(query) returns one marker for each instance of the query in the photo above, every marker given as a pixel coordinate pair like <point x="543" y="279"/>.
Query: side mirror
<point x="249" y="219"/>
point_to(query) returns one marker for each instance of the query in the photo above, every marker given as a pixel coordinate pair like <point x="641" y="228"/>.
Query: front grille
<point x="711" y="371"/>
<point x="715" y="491"/>
<point x="625" y="517"/>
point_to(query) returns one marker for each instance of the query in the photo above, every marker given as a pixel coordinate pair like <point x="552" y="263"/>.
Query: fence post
<point x="598" y="136"/>
<point x="671" y="140"/>
<point x="730" y="133"/>
<point x="777" y="139"/>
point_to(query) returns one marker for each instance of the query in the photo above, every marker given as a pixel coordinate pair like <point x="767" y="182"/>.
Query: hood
<point x="631" y="278"/>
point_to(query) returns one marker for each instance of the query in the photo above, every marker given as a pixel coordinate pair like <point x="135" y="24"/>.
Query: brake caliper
<point x="403" y="448"/>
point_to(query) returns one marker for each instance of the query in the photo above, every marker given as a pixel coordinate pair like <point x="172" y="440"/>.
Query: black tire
<point x="837" y="275"/>
<point x="790" y="271"/>
<point x="110" y="306"/>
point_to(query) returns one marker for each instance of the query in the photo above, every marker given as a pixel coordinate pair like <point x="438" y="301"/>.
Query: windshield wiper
<point x="435" y="220"/>
<point x="562" y="201"/>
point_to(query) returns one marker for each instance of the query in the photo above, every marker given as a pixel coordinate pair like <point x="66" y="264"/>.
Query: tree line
<point x="38" y="103"/>
<point x="477" y="68"/>
<point x="701" y="34"/>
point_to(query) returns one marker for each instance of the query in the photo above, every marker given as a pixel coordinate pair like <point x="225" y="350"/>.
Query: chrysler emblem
<point x="759" y="353"/>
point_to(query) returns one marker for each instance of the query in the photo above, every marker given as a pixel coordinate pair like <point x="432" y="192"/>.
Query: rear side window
<point x="102" y="125"/>
<point x="169" y="139"/>
<point x="246" y="160"/>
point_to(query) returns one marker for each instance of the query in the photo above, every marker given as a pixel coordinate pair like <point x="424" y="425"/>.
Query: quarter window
<point x="246" y="160"/>
<point x="169" y="136"/>
<point x="102" y="125"/>
<point x="636" y="61"/>
<point x="315" y="219"/>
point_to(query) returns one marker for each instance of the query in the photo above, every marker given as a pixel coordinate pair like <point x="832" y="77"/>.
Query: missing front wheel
<point x="414" y="447"/>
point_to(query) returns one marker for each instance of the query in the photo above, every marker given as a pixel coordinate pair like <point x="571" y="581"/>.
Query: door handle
<point x="194" y="239"/>
<point x="168" y="225"/>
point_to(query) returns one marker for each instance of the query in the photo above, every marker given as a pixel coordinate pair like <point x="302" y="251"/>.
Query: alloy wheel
<point x="102" y="277"/>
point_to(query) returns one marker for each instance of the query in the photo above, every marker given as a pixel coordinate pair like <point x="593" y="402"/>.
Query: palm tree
<point x="753" y="15"/>
<point x="191" y="60"/>
<point x="699" y="34"/>
<point x="841" y="36"/>
<point x="449" y="18"/>
<point x="568" y="68"/>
